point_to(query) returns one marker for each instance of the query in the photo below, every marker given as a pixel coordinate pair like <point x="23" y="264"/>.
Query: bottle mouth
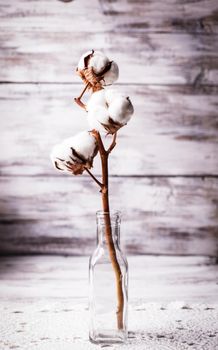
<point x="115" y="216"/>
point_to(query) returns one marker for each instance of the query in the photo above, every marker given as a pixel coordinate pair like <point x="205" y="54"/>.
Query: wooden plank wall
<point x="164" y="170"/>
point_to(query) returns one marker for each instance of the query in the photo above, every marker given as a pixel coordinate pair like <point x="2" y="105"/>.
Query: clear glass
<point x="103" y="300"/>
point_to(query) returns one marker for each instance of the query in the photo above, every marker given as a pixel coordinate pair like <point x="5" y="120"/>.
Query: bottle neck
<point x="102" y="232"/>
<point x="108" y="224"/>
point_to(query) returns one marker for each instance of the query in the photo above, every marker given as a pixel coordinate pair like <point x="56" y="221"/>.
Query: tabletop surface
<point x="173" y="303"/>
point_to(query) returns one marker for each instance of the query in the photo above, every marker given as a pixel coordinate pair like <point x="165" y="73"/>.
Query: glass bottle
<point x="108" y="283"/>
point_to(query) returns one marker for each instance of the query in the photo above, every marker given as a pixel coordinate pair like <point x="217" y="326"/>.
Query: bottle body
<point x="108" y="284"/>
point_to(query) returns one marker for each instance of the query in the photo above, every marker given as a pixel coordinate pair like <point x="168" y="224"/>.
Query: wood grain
<point x="174" y="130"/>
<point x="164" y="279"/>
<point x="169" y="16"/>
<point x="36" y="38"/>
<point x="57" y="215"/>
<point x="166" y="158"/>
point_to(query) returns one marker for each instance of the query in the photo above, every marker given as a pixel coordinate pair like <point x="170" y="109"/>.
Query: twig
<point x="78" y="99"/>
<point x="94" y="178"/>
<point x="113" y="144"/>
<point x="80" y="103"/>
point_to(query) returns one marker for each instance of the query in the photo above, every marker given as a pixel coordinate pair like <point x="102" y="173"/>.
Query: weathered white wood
<point x="152" y="279"/>
<point x="172" y="42"/>
<point x="42" y="42"/>
<point x="143" y="58"/>
<point x="54" y="16"/>
<point x="174" y="129"/>
<point x="166" y="16"/>
<point x="123" y="15"/>
<point x="172" y="303"/>
<point x="57" y="215"/>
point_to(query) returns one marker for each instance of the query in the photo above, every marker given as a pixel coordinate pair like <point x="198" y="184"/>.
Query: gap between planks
<point x="149" y="176"/>
<point x="193" y="85"/>
<point x="211" y="259"/>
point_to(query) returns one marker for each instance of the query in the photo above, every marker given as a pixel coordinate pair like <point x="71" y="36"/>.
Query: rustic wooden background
<point x="164" y="170"/>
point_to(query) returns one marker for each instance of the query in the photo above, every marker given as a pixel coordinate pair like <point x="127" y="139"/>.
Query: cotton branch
<point x="107" y="111"/>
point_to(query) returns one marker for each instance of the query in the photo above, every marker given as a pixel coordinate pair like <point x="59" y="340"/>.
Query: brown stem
<point x="78" y="99"/>
<point x="108" y="233"/>
<point x="80" y="103"/>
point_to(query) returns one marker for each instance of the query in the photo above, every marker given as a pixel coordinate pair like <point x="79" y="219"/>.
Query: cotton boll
<point x="112" y="75"/>
<point x="98" y="61"/>
<point x="96" y="99"/>
<point x="98" y="117"/>
<point x="81" y="64"/>
<point x="97" y="70"/>
<point x="121" y="110"/>
<point x="110" y="109"/>
<point x="75" y="154"/>
<point x="60" y="154"/>
<point x="97" y="111"/>
<point x="95" y="59"/>
<point x="111" y="94"/>
<point x="83" y="143"/>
